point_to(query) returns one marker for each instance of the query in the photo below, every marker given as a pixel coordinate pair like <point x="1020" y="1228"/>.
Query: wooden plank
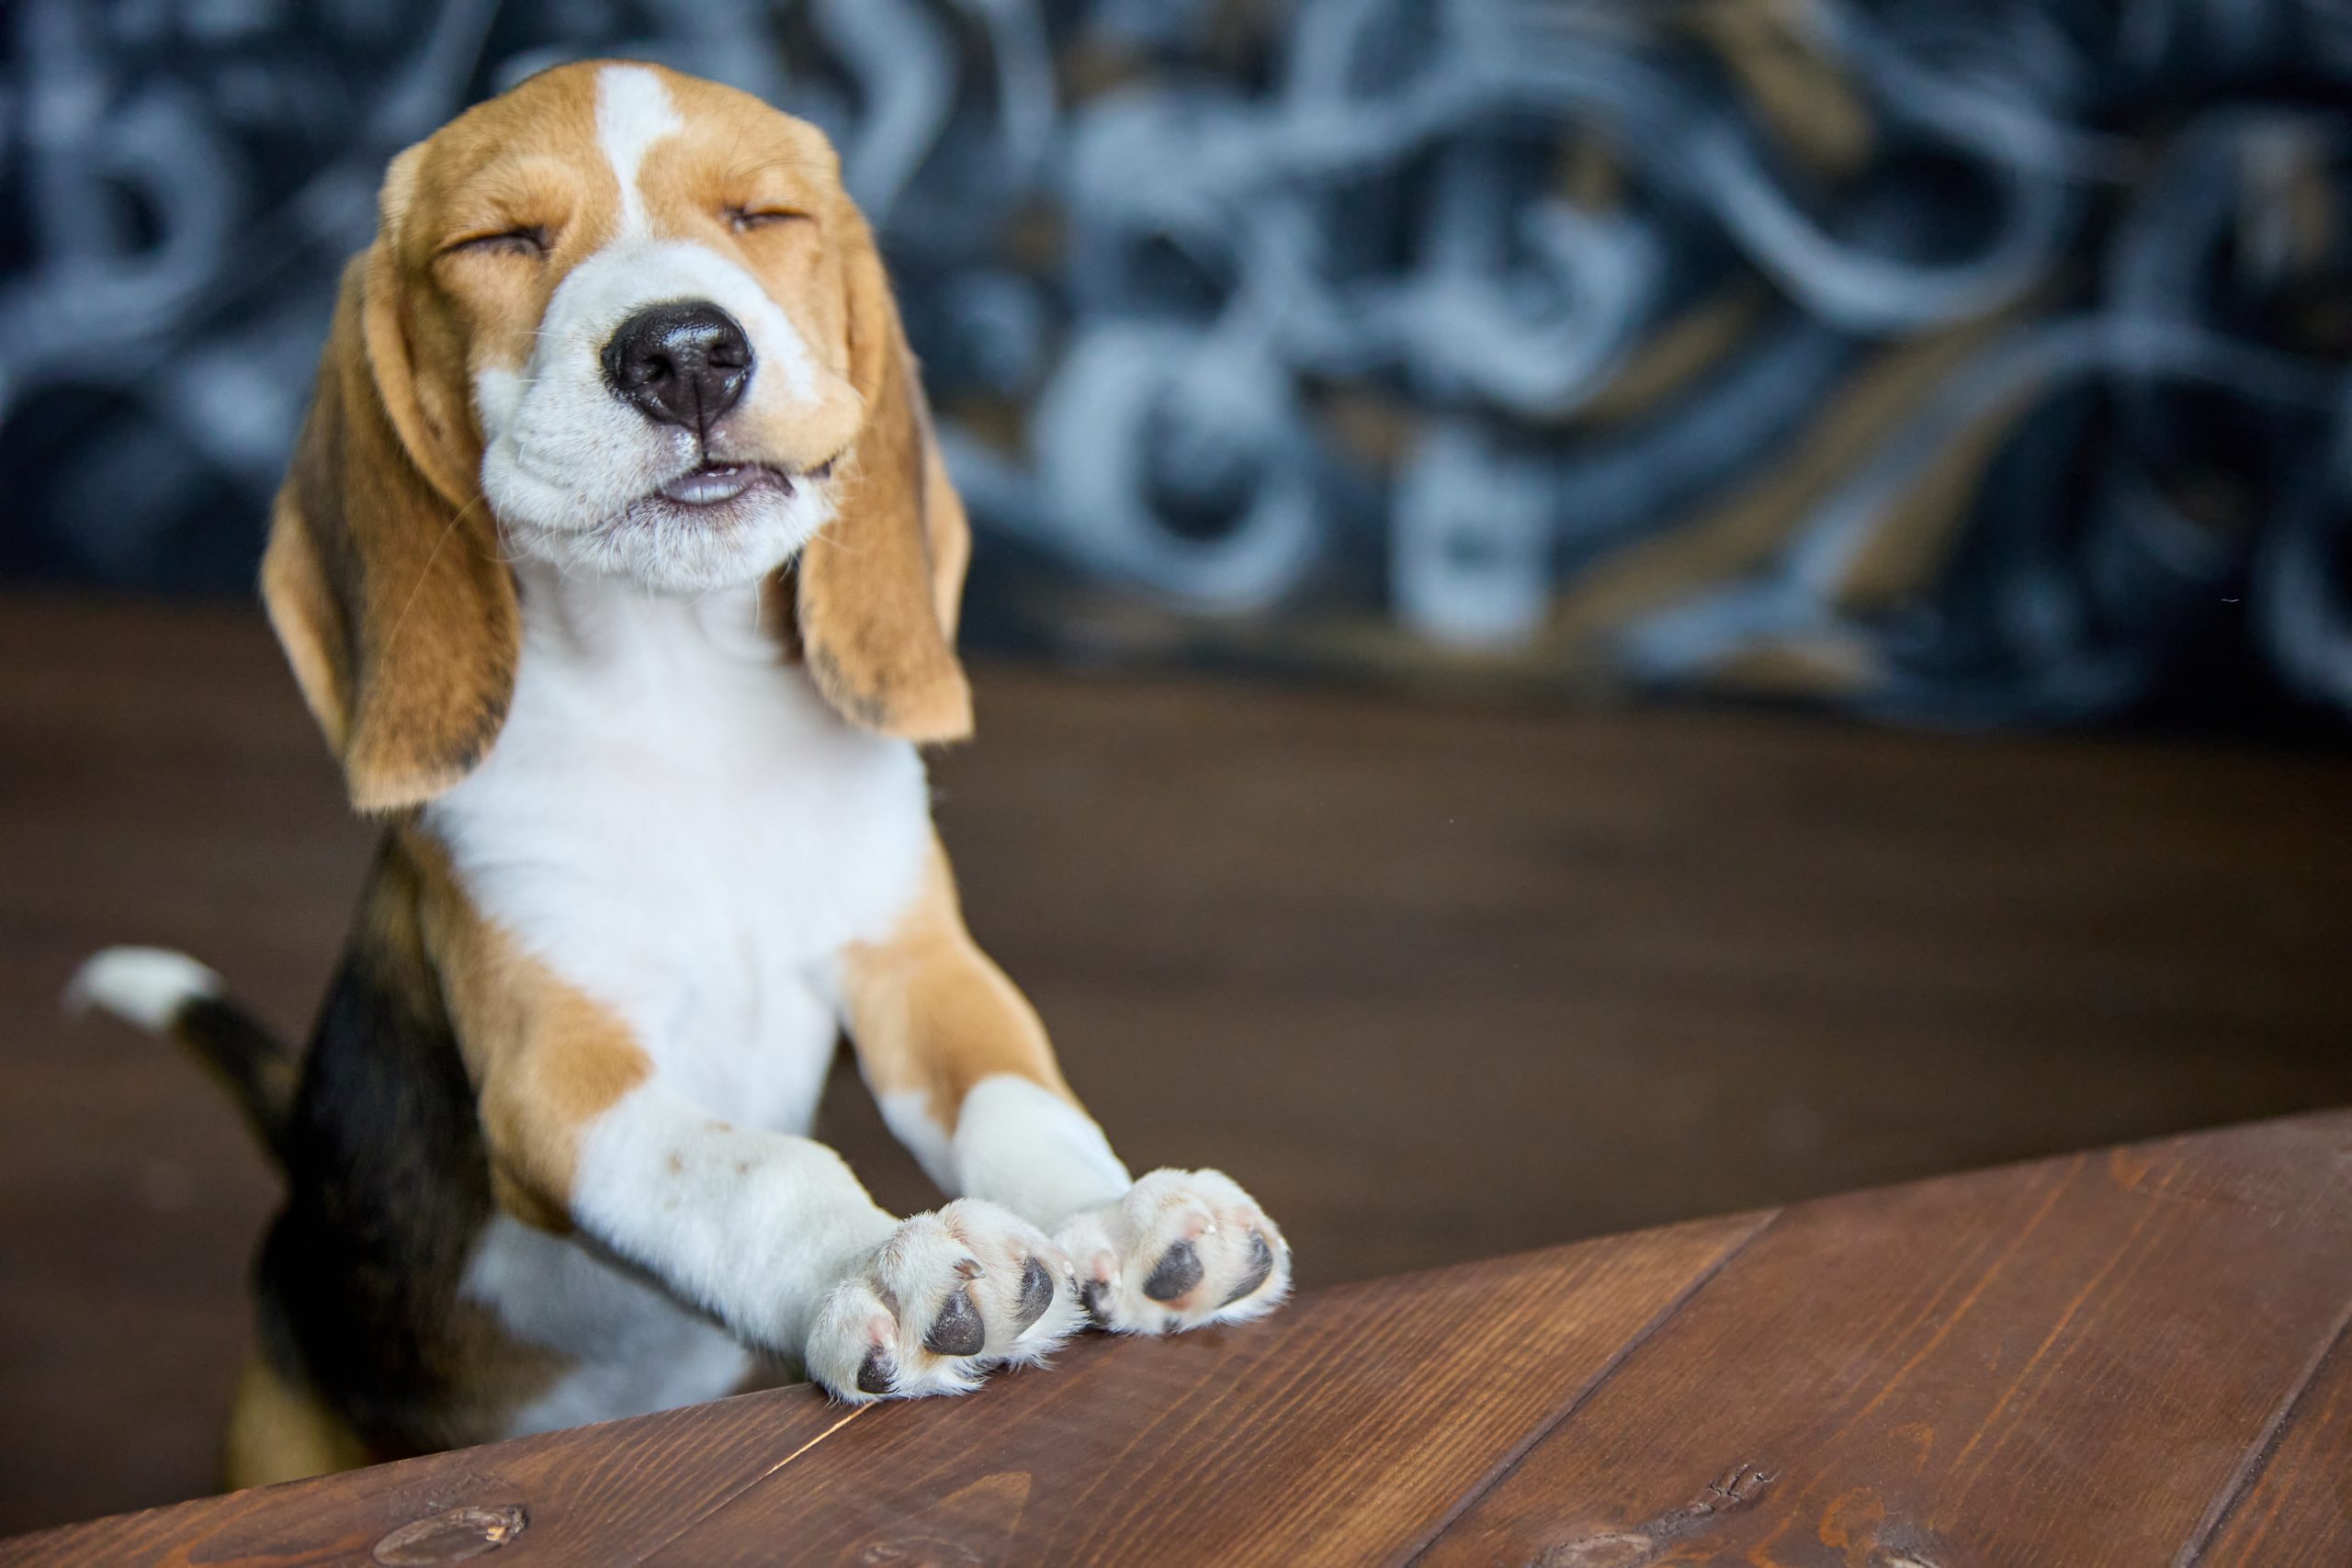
<point x="604" y="1493"/>
<point x="2066" y="1364"/>
<point x="2295" y="1509"/>
<point x="1432" y="1381"/>
<point x="1346" y="1430"/>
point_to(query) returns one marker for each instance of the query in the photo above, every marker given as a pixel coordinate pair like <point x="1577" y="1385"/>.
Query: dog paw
<point x="1183" y="1248"/>
<point x="948" y="1296"/>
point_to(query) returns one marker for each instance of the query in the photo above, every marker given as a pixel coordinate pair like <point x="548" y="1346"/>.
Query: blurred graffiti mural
<point x="1970" y="361"/>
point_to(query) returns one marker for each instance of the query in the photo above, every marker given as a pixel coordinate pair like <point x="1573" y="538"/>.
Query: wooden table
<point x="2129" y="1357"/>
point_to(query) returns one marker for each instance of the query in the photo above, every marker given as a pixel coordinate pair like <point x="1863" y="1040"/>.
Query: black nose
<point x="682" y="363"/>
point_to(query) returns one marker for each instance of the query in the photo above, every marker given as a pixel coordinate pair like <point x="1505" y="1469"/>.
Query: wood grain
<point x="2135" y="1357"/>
<point x="1368" y="1410"/>
<point x="2293" y="1509"/>
<point x="2072" y="1364"/>
<point x="607" y="1493"/>
<point x="1349" y="1427"/>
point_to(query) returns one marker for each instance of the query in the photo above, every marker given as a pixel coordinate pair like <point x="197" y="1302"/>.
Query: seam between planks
<point x="1517" y="1453"/>
<point x="2259" y="1453"/>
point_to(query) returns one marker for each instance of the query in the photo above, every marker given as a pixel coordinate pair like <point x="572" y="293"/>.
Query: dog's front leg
<point x="775" y="1236"/>
<point x="967" y="1078"/>
<point x="770" y="1233"/>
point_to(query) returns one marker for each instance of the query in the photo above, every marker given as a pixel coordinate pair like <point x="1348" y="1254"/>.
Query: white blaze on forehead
<point x="633" y="112"/>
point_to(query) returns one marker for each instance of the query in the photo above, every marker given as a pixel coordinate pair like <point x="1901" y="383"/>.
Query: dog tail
<point x="170" y="993"/>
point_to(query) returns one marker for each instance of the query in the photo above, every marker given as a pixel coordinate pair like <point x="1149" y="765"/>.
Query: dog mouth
<point x="716" y="524"/>
<point x="715" y="484"/>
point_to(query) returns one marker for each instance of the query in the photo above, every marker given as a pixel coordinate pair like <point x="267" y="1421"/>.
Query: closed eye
<point x="529" y="240"/>
<point x="743" y="220"/>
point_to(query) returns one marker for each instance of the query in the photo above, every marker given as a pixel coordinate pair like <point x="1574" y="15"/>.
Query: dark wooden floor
<point x="1435" y="984"/>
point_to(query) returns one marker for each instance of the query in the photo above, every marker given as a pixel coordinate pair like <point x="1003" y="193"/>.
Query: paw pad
<point x="957" y="1330"/>
<point x="1036" y="1294"/>
<point x="998" y="1288"/>
<point x="1179" y="1270"/>
<point x="1181" y="1249"/>
<point x="1259" y="1264"/>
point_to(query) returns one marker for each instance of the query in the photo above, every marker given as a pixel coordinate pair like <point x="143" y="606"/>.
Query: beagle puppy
<point x="617" y="564"/>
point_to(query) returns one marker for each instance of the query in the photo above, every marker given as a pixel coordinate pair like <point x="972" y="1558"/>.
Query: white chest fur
<point x="675" y="822"/>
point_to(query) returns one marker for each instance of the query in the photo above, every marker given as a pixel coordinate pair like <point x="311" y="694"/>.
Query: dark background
<point x="1965" y="362"/>
<point x="1586" y="613"/>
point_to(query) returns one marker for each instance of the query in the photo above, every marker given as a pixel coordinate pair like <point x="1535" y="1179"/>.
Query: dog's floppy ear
<point x="382" y="577"/>
<point x="879" y="584"/>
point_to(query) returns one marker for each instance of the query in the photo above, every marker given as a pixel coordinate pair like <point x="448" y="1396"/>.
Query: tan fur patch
<point x="395" y="610"/>
<point x="929" y="1013"/>
<point x="949" y="532"/>
<point x="873" y="584"/>
<point x="546" y="1060"/>
<point x="280" y="1430"/>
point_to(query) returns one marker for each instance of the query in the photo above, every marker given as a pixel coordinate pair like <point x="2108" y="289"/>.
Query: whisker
<point x="838" y="543"/>
<point x="392" y="636"/>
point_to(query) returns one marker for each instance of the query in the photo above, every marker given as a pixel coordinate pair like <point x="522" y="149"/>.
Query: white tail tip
<point x="144" y="986"/>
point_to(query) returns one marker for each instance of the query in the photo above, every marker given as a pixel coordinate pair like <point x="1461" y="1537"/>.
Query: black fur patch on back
<point x="388" y="1188"/>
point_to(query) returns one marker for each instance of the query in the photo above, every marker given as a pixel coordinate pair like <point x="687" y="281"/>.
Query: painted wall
<point x="1973" y="361"/>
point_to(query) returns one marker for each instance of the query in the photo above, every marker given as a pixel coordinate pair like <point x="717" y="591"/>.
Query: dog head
<point x="622" y="322"/>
